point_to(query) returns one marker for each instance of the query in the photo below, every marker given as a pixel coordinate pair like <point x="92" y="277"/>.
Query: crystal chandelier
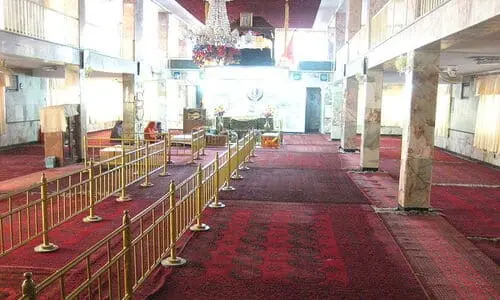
<point x="217" y="30"/>
<point x="215" y="44"/>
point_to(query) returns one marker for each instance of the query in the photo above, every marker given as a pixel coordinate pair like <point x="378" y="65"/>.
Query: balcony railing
<point x="425" y="6"/>
<point x="30" y="18"/>
<point x="391" y="19"/>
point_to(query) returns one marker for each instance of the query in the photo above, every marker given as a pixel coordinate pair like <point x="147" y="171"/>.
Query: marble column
<point x="339" y="31"/>
<point x="353" y="18"/>
<point x="337" y="100"/>
<point x="418" y="129"/>
<point x="129" y="106"/>
<point x="370" y="132"/>
<point x="349" y="115"/>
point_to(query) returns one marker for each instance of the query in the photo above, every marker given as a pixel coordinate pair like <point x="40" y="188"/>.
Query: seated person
<point x="150" y="133"/>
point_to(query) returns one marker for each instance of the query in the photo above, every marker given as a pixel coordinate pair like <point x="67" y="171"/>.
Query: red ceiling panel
<point x="302" y="12"/>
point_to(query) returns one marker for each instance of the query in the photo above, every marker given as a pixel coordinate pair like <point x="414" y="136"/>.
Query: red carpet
<point x="297" y="160"/>
<point x="306" y="139"/>
<point x="295" y="185"/>
<point x="262" y="250"/>
<point x="21" y="160"/>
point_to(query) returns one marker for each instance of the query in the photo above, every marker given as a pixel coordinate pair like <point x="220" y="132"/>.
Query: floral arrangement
<point x="219" y="111"/>
<point x="215" y="55"/>
<point x="268" y="113"/>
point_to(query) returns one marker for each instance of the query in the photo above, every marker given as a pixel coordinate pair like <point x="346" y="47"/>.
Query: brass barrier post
<point x="244" y="167"/>
<point x="197" y="144"/>
<point x="237" y="175"/>
<point x="165" y="173"/>
<point x="46" y="246"/>
<point x="28" y="287"/>
<point x="251" y="141"/>
<point x="199" y="203"/>
<point x="169" y="149"/>
<point x="253" y="146"/>
<point x="127" y="257"/>
<point x="123" y="178"/>
<point x="85" y="149"/>
<point x="91" y="217"/>
<point x="227" y="186"/>
<point x="203" y="143"/>
<point x="146" y="182"/>
<point x="173" y="259"/>
<point x="216" y="203"/>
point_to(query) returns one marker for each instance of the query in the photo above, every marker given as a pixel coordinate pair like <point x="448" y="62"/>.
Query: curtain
<point x="487" y="133"/>
<point x="442" y="110"/>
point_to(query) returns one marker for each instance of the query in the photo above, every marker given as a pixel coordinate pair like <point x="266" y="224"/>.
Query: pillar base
<point x="170" y="262"/>
<point x="92" y="219"/>
<point x="124" y="198"/>
<point x="217" y="205"/>
<point x="46" y="248"/>
<point x="201" y="227"/>
<point x="416" y="209"/>
<point x="146" y="184"/>
<point x="348" y="150"/>
<point x="164" y="174"/>
<point x="170" y="162"/>
<point x="369" y="169"/>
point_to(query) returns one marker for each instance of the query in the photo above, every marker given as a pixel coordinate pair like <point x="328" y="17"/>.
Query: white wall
<point x="104" y="101"/>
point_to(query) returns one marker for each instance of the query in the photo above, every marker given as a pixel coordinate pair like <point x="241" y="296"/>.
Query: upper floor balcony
<point x="402" y="25"/>
<point x="53" y="21"/>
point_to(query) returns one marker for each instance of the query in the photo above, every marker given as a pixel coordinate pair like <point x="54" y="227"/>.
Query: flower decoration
<point x="219" y="111"/>
<point x="204" y="55"/>
<point x="268" y="113"/>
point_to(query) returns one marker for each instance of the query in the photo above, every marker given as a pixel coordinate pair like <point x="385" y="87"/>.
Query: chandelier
<point x="215" y="44"/>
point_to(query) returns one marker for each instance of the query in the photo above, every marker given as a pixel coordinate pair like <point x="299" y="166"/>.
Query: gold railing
<point x="28" y="17"/>
<point x="117" y="265"/>
<point x="100" y="148"/>
<point x="33" y="212"/>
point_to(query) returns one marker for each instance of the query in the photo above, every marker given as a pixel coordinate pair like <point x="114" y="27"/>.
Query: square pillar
<point x="349" y="115"/>
<point x="339" y="31"/>
<point x="418" y="130"/>
<point x="129" y="106"/>
<point x="370" y="132"/>
<point x="353" y="18"/>
<point x="337" y="103"/>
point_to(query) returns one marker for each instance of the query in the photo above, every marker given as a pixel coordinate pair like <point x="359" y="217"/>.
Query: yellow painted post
<point x="244" y="167"/>
<point x="169" y="149"/>
<point x="237" y="175"/>
<point x="165" y="173"/>
<point x="216" y="203"/>
<point x="227" y="186"/>
<point x="127" y="257"/>
<point x="147" y="182"/>
<point x="91" y="217"/>
<point x="123" y="178"/>
<point x="254" y="143"/>
<point x="173" y="259"/>
<point x="196" y="137"/>
<point x="203" y="143"/>
<point x="28" y="287"/>
<point x="85" y="149"/>
<point x="199" y="226"/>
<point x="46" y="246"/>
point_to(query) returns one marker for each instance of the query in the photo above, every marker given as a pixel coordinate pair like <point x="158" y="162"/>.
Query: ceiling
<point x="302" y="12"/>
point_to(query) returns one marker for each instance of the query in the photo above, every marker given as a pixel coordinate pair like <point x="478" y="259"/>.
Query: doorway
<point x="313" y="110"/>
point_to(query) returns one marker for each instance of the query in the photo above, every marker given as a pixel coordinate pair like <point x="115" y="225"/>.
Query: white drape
<point x="487" y="133"/>
<point x="442" y="110"/>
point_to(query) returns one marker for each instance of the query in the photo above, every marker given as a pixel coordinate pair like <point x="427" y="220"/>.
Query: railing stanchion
<point x="123" y="178"/>
<point x="169" y="149"/>
<point x="199" y="226"/>
<point x="147" y="182"/>
<point x="227" y="186"/>
<point x="127" y="257"/>
<point x="91" y="217"/>
<point x="203" y="143"/>
<point x="173" y="259"/>
<point x="165" y="173"/>
<point x="237" y="175"/>
<point x="28" y="287"/>
<point x="216" y="203"/>
<point x="46" y="246"/>
<point x="244" y="156"/>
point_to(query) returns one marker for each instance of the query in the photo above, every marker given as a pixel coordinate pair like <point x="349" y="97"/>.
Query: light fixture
<point x="214" y="43"/>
